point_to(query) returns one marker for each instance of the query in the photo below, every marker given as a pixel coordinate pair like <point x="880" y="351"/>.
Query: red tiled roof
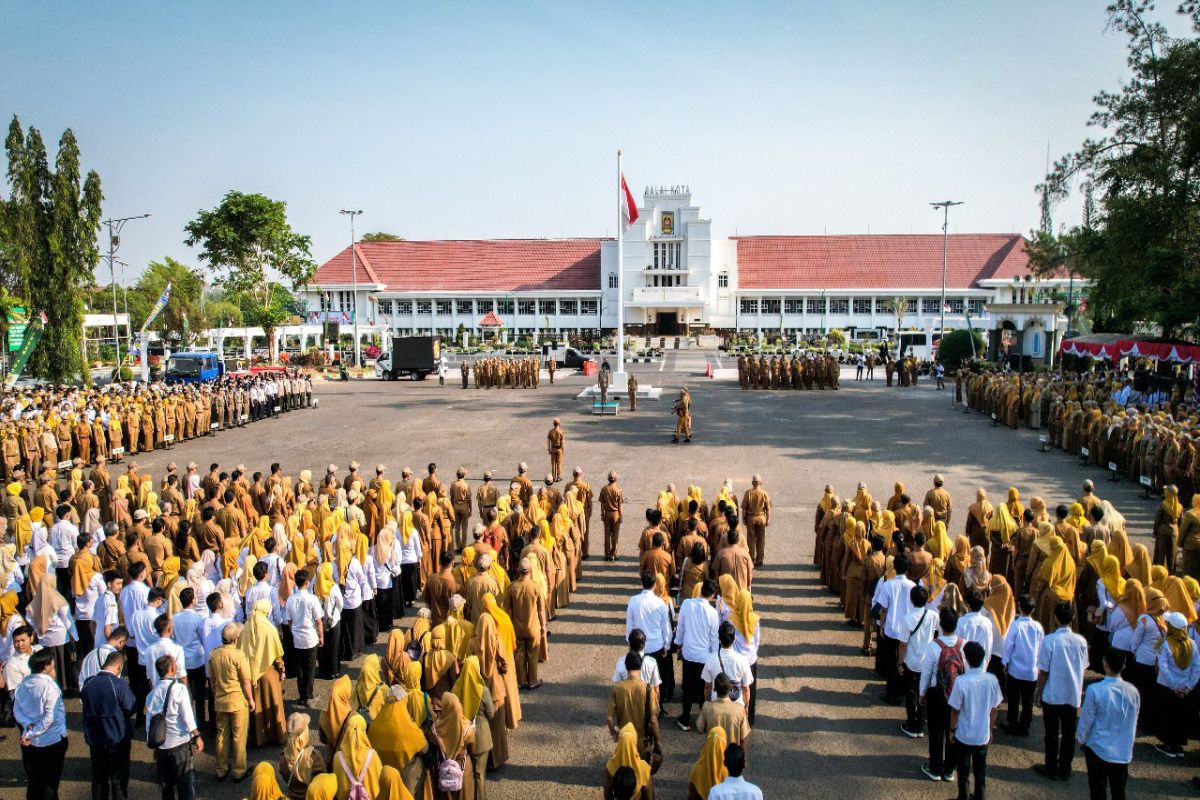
<point x="494" y="265"/>
<point x="490" y="320"/>
<point x="900" y="261"/>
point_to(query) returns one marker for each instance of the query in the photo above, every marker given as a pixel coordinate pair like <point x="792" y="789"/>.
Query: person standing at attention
<point x="42" y="718"/>
<point x="1061" y="663"/>
<point x="735" y="787"/>
<point x="973" y="703"/>
<point x="108" y="709"/>
<point x="1107" y="728"/>
<point x="555" y="440"/>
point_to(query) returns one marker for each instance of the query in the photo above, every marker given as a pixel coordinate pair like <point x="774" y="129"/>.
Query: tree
<point x="51" y="219"/>
<point x="837" y="339"/>
<point x="897" y="306"/>
<point x="187" y="289"/>
<point x="955" y="347"/>
<point x="381" y="236"/>
<point x="1140" y="249"/>
<point x="245" y="240"/>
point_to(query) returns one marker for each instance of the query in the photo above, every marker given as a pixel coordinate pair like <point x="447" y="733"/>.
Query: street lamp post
<point x="945" y="206"/>
<point x="114" y="242"/>
<point x="354" y="283"/>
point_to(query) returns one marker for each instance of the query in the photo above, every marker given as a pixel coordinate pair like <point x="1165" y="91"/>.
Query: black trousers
<point x="306" y="665"/>
<point x="972" y="761"/>
<point x="285" y="638"/>
<point x="410" y="575"/>
<point x="1020" y="704"/>
<point x="110" y="771"/>
<point x="888" y="648"/>
<point x="1105" y="775"/>
<point x="198" y="686"/>
<point x="43" y="770"/>
<point x="693" y="687"/>
<point x="383" y="609"/>
<point x="666" y="671"/>
<point x="352" y="633"/>
<point x="328" y="660"/>
<point x="753" y="694"/>
<point x="176" y="776"/>
<point x="1176" y="716"/>
<point x="138" y="681"/>
<point x="937" y="712"/>
<point x="915" y="712"/>
<point x="1060" y="737"/>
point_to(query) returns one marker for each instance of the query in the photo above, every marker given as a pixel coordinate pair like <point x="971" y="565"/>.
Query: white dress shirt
<point x="696" y="632"/>
<point x="894" y="596"/>
<point x="1021" y="648"/>
<point x="142" y="626"/>
<point x="975" y="627"/>
<point x="86" y="602"/>
<point x="929" y="665"/>
<point x="976" y="692"/>
<point x="133" y="599"/>
<point x="735" y="789"/>
<point x="649" y="670"/>
<point x="649" y="614"/>
<point x="409" y="553"/>
<point x="93" y="662"/>
<point x="17" y="667"/>
<point x="357" y="589"/>
<point x="748" y="649"/>
<point x="1063" y="657"/>
<point x="163" y="647"/>
<point x="332" y="606"/>
<point x="1144" y="644"/>
<point x="189" y="632"/>
<point x="62" y="539"/>
<point x="304" y="613"/>
<point x="177" y="712"/>
<point x="921" y="627"/>
<point x="210" y="634"/>
<point x="1174" y="678"/>
<point x="38" y="707"/>
<point x="263" y="590"/>
<point x="1108" y="720"/>
<point x="736" y="668"/>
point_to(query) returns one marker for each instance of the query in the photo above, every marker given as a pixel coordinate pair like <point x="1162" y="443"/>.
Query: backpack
<point x="950" y="665"/>
<point x="357" y="790"/>
<point x="449" y="771"/>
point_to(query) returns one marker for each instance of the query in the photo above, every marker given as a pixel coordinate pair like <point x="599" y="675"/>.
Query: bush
<point x="955" y="347"/>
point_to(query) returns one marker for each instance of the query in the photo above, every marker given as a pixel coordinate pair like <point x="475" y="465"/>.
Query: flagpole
<point x="620" y="276"/>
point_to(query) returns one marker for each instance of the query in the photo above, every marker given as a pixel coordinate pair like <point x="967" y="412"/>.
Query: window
<point x="976" y="306"/>
<point x="667" y="255"/>
<point x="567" y="307"/>
<point x="723" y="280"/>
<point x="385" y="306"/>
<point x="749" y="305"/>
<point x="815" y="305"/>
<point x="839" y="305"/>
<point x="955" y="304"/>
<point x="504" y="306"/>
<point x="770" y="305"/>
<point x="587" y="307"/>
<point x="546" y="307"/>
<point x="931" y="305"/>
<point x="612" y="281"/>
<point x="483" y="306"/>
<point x="793" y="305"/>
<point x="526" y="307"/>
<point x="910" y="305"/>
<point x="444" y="306"/>
<point x="404" y="306"/>
<point x="424" y="306"/>
<point x="464" y="307"/>
<point x="862" y="305"/>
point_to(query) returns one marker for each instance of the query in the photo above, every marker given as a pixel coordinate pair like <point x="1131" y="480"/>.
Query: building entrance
<point x="667" y="323"/>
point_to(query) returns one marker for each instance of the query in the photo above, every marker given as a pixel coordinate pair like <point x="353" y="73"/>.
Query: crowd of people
<point x="189" y="605"/>
<point x="696" y="568"/>
<point x="809" y="371"/>
<point x="1014" y="610"/>
<point x="43" y="427"/>
<point x="505" y="373"/>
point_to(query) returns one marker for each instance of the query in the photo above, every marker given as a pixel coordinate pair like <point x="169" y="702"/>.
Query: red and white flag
<point x="629" y="210"/>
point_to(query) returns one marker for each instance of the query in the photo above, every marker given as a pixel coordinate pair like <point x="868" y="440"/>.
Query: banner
<point x="33" y="335"/>
<point x="159" y="305"/>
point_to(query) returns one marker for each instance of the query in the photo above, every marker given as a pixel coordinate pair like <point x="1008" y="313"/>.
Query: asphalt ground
<point x="820" y="727"/>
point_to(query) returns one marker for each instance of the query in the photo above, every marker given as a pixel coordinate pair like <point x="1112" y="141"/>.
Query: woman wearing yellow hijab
<point x="1175" y="721"/>
<point x="356" y="761"/>
<point x="626" y="755"/>
<point x="453" y="734"/>
<point x="262" y="647"/>
<point x="709" y="769"/>
<point x="1158" y="576"/>
<point x="1000" y="605"/>
<point x="1015" y="509"/>
<point x="1000" y="533"/>
<point x="370" y="692"/>
<point x="479" y="709"/>
<point x="336" y="712"/>
<point x="263" y="784"/>
<point x="416" y="701"/>
<point x="504" y="625"/>
<point x="1166" y="526"/>
<point x="1139" y="567"/>
<point x="391" y="785"/>
<point x="395" y="737"/>
<point x="330" y="595"/>
<point x="726" y="596"/>
<point x="939" y="544"/>
<point x="1055" y="581"/>
<point x="1179" y="599"/>
<point x="439" y="667"/>
<point x="322" y="787"/>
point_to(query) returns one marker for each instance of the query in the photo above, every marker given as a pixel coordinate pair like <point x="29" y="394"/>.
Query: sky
<point x="502" y="120"/>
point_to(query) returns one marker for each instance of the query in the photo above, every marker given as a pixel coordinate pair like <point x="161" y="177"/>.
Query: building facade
<point x="677" y="278"/>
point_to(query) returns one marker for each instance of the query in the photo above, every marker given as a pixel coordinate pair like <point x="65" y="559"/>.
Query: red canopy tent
<point x="1111" y="346"/>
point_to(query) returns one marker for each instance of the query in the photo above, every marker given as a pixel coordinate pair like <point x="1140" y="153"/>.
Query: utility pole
<point x="945" y="206"/>
<point x="114" y="242"/>
<point x="354" y="283"/>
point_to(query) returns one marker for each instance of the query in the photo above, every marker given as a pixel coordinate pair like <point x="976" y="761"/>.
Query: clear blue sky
<point x="462" y="120"/>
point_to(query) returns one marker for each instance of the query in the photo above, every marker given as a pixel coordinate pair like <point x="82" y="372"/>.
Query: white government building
<point x="678" y="279"/>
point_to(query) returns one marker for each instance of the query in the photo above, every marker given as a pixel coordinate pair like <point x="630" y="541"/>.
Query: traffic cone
<point x="708" y="369"/>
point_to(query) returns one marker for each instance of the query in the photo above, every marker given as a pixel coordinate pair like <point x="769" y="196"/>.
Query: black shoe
<point x="1044" y="771"/>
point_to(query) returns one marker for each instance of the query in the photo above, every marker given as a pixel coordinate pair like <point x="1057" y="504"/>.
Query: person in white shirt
<point x="50" y="616"/>
<point x="306" y="616"/>
<point x="1107" y="728"/>
<point x="42" y="717"/>
<point x="1021" y="648"/>
<point x="63" y="538"/>
<point x="1145" y="645"/>
<point x="732" y="663"/>
<point x="649" y="669"/>
<point x="1178" y="675"/>
<point x="164" y="645"/>
<point x="1062" y="660"/>
<point x="893" y="596"/>
<point x="648" y="613"/>
<point x="273" y="559"/>
<point x="17" y="665"/>
<point x="735" y="787"/>
<point x="974" y="626"/>
<point x="327" y="591"/>
<point x="94" y="661"/>
<point x="696" y="638"/>
<point x="262" y="590"/>
<point x="973" y="703"/>
<point x="176" y="775"/>
<point x="945" y="652"/>
<point x="921" y="626"/>
<point x="132" y="599"/>
<point x="187" y="627"/>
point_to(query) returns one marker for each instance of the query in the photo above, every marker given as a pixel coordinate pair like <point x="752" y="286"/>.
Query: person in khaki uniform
<point x="938" y="499"/>
<point x="233" y="699"/>
<point x="584" y="492"/>
<point x="756" y="511"/>
<point x="631" y="387"/>
<point x="726" y="713"/>
<point x="460" y="501"/>
<point x="555" y="440"/>
<point x="523" y="602"/>
<point x="683" y="410"/>
<point x="611" y="500"/>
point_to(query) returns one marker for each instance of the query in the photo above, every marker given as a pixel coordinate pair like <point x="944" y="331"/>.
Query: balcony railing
<point x="667" y="294"/>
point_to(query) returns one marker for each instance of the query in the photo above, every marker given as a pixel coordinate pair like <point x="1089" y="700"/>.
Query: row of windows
<point x="337" y="301"/>
<point x="667" y="255"/>
<point x="471" y="307"/>
<point x="861" y="305"/>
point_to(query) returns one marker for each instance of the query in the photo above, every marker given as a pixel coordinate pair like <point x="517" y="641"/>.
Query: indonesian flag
<point x="628" y="208"/>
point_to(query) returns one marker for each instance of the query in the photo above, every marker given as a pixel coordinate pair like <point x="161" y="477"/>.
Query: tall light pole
<point x="354" y="283"/>
<point x="945" y="206"/>
<point x="114" y="242"/>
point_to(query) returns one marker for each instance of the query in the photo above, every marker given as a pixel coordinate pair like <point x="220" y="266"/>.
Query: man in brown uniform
<point x="524" y="604"/>
<point x="611" y="500"/>
<point x="734" y="560"/>
<point x="233" y="700"/>
<point x="488" y="496"/>
<point x="440" y="587"/>
<point x="631" y="386"/>
<point x="460" y="500"/>
<point x="584" y="494"/>
<point x="756" y="510"/>
<point x="526" y="490"/>
<point x="554" y="441"/>
<point x="938" y="499"/>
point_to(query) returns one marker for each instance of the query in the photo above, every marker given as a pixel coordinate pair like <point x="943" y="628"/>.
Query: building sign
<point x="668" y="223"/>
<point x="318" y="317"/>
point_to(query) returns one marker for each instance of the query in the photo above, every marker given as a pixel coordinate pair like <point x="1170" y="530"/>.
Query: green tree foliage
<point x="247" y="241"/>
<point x="1141" y="247"/>
<point x="381" y="236"/>
<point x="955" y="347"/>
<point x="187" y="288"/>
<point x="837" y="339"/>
<point x="51" y="218"/>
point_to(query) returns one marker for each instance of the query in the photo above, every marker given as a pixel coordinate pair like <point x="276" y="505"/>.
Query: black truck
<point x="416" y="356"/>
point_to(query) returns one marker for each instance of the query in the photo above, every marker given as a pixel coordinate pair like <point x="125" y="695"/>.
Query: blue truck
<point x="193" y="368"/>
